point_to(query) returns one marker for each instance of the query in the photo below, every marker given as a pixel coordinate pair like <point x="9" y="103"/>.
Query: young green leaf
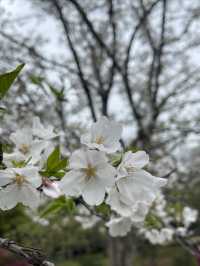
<point x="53" y="159"/>
<point x="7" y="79"/>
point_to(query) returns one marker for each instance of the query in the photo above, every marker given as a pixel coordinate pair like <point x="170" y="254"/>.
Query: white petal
<point x="22" y="136"/>
<point x="31" y="174"/>
<point x="106" y="174"/>
<point x="37" y="148"/>
<point x="138" y="159"/>
<point x="119" y="226"/>
<point x="29" y="196"/>
<point x="96" y="158"/>
<point x="70" y="183"/>
<point x="78" y="160"/>
<point x="51" y="189"/>
<point x="140" y="211"/>
<point x="13" y="194"/>
<point x="8" y="197"/>
<point x="119" y="203"/>
<point x="93" y="192"/>
<point x="6" y="176"/>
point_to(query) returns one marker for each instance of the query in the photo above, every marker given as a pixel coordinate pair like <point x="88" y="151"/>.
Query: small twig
<point x="169" y="174"/>
<point x="31" y="255"/>
<point x="91" y="210"/>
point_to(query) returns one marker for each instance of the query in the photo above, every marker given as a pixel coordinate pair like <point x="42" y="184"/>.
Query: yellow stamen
<point x="19" y="179"/>
<point x="99" y="140"/>
<point x="90" y="171"/>
<point x="24" y="148"/>
<point x="130" y="169"/>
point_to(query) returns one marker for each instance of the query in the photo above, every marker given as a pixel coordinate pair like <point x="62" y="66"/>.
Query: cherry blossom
<point x="19" y="185"/>
<point x="160" y="237"/>
<point x="90" y="175"/>
<point x="134" y="182"/>
<point x="41" y="131"/>
<point x="104" y="135"/>
<point x="26" y="146"/>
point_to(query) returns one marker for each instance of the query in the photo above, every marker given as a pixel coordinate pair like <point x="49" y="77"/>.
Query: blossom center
<point x="130" y="169"/>
<point x="99" y="140"/>
<point x="19" y="179"/>
<point x="24" y="148"/>
<point x="90" y="171"/>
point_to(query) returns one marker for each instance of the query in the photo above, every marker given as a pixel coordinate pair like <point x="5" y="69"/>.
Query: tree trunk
<point x="121" y="251"/>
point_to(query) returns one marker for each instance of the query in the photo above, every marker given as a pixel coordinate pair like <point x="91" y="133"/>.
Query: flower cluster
<point x="21" y="181"/>
<point x="168" y="223"/>
<point x="93" y="174"/>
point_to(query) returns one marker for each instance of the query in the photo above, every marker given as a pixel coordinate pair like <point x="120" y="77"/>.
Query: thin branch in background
<point x="76" y="58"/>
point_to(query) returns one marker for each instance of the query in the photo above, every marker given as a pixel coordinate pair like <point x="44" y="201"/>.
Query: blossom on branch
<point x="104" y="135"/>
<point x="134" y="182"/>
<point x="19" y="185"/>
<point x="89" y="176"/>
<point x="41" y="131"/>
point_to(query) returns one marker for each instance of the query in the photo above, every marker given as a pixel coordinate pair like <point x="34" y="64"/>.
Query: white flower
<point x="136" y="211"/>
<point x="189" y="216"/>
<point x="104" y="135"/>
<point x="19" y="185"/>
<point x="160" y="237"/>
<point x="41" y="131"/>
<point x="119" y="226"/>
<point x="160" y="206"/>
<point x="137" y="184"/>
<point x="26" y="145"/>
<point x="90" y="176"/>
<point x="132" y="162"/>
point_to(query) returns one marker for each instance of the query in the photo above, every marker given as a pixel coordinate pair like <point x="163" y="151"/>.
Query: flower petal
<point x="93" y="192"/>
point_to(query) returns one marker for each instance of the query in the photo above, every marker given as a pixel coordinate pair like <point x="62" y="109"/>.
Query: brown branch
<point x="133" y="35"/>
<point x="31" y="255"/>
<point x="76" y="58"/>
<point x="114" y="42"/>
<point x="110" y="54"/>
<point x="160" y="51"/>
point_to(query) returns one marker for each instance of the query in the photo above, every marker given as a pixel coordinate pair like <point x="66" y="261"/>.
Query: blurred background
<point x="134" y="61"/>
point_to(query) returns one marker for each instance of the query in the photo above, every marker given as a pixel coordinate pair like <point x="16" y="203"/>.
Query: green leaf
<point x="62" y="164"/>
<point x="58" y="94"/>
<point x="103" y="209"/>
<point x="52" y="208"/>
<point x="36" y="79"/>
<point x="70" y="205"/>
<point x="57" y="205"/>
<point x="7" y="79"/>
<point x="53" y="159"/>
<point x="116" y="160"/>
<point x="3" y="110"/>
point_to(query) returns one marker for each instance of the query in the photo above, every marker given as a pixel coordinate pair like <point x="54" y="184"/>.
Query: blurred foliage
<point x="66" y="243"/>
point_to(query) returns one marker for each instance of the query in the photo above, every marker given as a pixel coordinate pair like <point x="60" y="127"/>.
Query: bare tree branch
<point x="31" y="255"/>
<point x="76" y="58"/>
